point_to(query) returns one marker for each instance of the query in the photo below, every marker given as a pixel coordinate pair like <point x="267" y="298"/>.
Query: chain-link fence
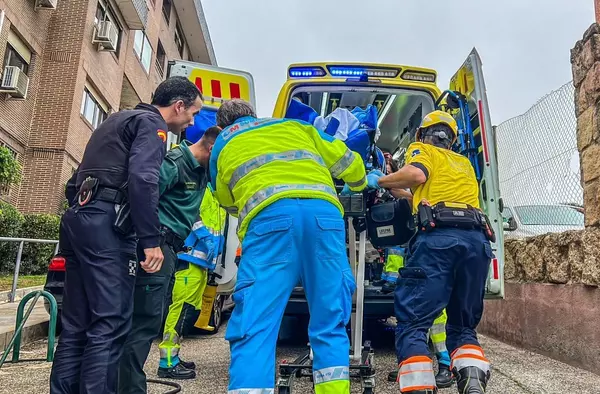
<point x="539" y="170"/>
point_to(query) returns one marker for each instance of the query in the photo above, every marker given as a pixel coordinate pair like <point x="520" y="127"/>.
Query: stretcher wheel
<point x="368" y="390"/>
<point x="284" y="390"/>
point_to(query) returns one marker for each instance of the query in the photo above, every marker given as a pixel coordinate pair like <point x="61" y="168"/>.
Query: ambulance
<point x="403" y="95"/>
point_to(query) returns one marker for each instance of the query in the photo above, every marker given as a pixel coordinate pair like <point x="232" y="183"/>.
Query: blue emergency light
<point x="306" y="72"/>
<point x="350" y="71"/>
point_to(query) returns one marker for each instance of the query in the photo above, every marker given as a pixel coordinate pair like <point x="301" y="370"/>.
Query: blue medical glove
<point x="373" y="178"/>
<point x="346" y="191"/>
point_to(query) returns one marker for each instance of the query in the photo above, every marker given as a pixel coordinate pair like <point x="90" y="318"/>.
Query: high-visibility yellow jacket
<point x="256" y="162"/>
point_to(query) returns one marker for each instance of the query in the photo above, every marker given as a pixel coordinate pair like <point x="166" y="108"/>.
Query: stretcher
<point x="361" y="354"/>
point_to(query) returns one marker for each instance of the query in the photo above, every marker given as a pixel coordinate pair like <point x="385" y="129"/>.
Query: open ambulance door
<point x="468" y="81"/>
<point x="219" y="85"/>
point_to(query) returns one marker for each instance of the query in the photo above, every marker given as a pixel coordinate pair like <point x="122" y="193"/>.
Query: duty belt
<point x="453" y="215"/>
<point x="109" y="195"/>
<point x="172" y="239"/>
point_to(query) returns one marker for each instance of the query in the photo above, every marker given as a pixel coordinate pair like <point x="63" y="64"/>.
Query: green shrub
<point x="11" y="222"/>
<point x="36" y="256"/>
<point x="10" y="169"/>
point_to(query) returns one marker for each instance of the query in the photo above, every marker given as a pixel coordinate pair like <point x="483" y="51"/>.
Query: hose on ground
<point x="176" y="387"/>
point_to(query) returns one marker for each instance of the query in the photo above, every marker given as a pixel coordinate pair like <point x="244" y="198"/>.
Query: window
<point x="161" y="56"/>
<point x="92" y="109"/>
<point x="17" y="54"/>
<point x="166" y="10"/>
<point x="104" y="13"/>
<point x="142" y="48"/>
<point x="179" y="41"/>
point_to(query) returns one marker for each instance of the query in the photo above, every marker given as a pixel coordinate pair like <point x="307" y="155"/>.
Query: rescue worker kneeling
<point x="203" y="246"/>
<point x="276" y="176"/>
<point x="448" y="262"/>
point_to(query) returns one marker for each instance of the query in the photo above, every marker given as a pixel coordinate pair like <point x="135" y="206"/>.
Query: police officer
<point x="114" y="195"/>
<point x="183" y="179"/>
<point x="448" y="261"/>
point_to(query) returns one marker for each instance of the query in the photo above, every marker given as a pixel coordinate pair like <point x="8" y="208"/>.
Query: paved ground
<point x="514" y="371"/>
<point x="35" y="326"/>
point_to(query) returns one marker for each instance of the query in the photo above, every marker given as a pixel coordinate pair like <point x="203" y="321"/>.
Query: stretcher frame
<point x="361" y="354"/>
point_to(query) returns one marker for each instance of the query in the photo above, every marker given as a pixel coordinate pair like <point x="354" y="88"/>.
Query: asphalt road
<point x="514" y="371"/>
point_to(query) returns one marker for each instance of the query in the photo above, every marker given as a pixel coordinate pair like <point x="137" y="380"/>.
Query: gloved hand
<point x="373" y="178"/>
<point x="346" y="190"/>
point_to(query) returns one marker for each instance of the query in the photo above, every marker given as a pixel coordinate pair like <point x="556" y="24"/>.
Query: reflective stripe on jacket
<point x="256" y="162"/>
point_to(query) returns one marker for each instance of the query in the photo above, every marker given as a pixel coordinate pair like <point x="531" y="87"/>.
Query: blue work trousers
<point x="447" y="268"/>
<point x="97" y="303"/>
<point x="289" y="241"/>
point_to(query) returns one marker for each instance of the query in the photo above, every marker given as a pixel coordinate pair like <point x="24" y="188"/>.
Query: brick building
<point x="68" y="64"/>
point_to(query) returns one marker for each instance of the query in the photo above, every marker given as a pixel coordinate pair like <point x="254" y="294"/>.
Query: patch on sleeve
<point x="162" y="135"/>
<point x="415" y="152"/>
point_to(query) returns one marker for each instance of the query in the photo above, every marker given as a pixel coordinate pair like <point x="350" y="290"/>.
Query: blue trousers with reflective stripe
<point x="447" y="268"/>
<point x="289" y="241"/>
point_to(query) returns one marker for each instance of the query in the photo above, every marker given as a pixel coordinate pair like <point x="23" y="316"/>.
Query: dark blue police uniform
<point x="124" y="154"/>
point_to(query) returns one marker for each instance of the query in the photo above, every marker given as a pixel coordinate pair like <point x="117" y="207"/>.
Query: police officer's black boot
<point x="178" y="372"/>
<point x="471" y="380"/>
<point x="444" y="378"/>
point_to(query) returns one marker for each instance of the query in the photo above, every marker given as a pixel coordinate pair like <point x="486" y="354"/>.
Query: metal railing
<point x="19" y="254"/>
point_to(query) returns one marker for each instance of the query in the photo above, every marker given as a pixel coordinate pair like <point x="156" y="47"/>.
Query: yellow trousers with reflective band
<point x="188" y="288"/>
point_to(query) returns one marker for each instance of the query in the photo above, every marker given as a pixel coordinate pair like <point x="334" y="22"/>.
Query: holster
<point x="453" y="215"/>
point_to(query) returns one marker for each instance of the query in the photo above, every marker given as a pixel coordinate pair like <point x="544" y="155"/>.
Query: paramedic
<point x="182" y="180"/>
<point x="119" y="169"/>
<point x="276" y="176"/>
<point x="448" y="265"/>
<point x="203" y="245"/>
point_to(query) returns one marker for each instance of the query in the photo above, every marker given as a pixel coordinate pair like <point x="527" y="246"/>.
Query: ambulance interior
<point x="400" y="111"/>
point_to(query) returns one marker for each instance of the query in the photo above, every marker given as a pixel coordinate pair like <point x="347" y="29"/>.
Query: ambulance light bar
<point x="306" y="72"/>
<point x="350" y="71"/>
<point x="418" y="76"/>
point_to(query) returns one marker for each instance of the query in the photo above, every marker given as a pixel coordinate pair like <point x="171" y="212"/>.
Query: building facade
<point x="68" y="64"/>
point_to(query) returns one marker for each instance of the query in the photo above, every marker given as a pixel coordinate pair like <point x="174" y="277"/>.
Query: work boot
<point x="188" y="364"/>
<point x="178" y="372"/>
<point x="393" y="376"/>
<point x="471" y="380"/>
<point x="444" y="378"/>
<point x="388" y="287"/>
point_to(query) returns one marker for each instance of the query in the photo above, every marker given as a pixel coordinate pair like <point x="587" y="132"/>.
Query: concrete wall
<point x="552" y="299"/>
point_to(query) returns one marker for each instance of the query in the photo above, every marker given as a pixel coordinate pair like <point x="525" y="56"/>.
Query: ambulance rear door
<point x="219" y="85"/>
<point x="468" y="80"/>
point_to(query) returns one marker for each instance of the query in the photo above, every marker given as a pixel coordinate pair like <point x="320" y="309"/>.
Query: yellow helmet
<point x="437" y="117"/>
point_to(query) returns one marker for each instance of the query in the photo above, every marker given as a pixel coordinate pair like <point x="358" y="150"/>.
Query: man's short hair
<point x="210" y="135"/>
<point x="174" y="89"/>
<point x="230" y="111"/>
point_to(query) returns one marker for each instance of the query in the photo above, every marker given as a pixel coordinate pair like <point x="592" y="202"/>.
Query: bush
<point x="11" y="222"/>
<point x="10" y="169"/>
<point x="36" y="256"/>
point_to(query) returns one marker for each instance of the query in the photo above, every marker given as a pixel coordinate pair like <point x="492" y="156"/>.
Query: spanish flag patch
<point x="162" y="134"/>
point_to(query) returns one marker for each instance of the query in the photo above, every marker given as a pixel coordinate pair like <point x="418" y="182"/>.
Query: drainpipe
<point x="1" y="19"/>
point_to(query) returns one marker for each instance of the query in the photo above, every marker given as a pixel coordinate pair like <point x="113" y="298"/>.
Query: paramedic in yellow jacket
<point x="276" y="176"/>
<point x="190" y="282"/>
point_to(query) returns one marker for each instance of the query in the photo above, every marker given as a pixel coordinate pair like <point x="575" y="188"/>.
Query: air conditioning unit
<point x="14" y="82"/>
<point x="45" y="4"/>
<point x="106" y="35"/>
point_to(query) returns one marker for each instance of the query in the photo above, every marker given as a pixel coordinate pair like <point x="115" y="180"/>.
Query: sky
<point x="524" y="44"/>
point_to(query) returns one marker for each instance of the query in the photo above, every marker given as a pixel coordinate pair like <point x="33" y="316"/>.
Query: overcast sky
<point x="524" y="44"/>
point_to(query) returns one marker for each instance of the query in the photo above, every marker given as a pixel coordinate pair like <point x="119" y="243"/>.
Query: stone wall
<point x="552" y="295"/>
